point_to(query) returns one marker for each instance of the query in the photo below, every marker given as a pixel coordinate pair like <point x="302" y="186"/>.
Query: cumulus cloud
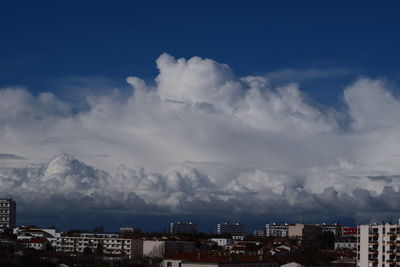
<point x="206" y="141"/>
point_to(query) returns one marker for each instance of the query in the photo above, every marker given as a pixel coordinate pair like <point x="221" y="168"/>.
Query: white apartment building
<point x="277" y="230"/>
<point x="231" y="228"/>
<point x="110" y="244"/>
<point x="183" y="228"/>
<point x="7" y="213"/>
<point x="378" y="245"/>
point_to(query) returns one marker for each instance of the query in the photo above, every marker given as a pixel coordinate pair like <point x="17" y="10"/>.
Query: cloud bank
<point x="205" y="141"/>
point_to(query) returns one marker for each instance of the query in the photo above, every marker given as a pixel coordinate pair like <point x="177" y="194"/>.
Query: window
<point x="169" y="264"/>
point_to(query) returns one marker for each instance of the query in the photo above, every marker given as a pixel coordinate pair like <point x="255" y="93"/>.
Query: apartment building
<point x="7" y="213"/>
<point x="110" y="244"/>
<point x="183" y="228"/>
<point x="335" y="228"/>
<point x="27" y="233"/>
<point x="162" y="248"/>
<point x="378" y="245"/>
<point x="277" y="230"/>
<point x="231" y="228"/>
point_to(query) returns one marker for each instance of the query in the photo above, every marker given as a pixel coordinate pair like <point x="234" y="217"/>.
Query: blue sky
<point x="255" y="110"/>
<point x="47" y="40"/>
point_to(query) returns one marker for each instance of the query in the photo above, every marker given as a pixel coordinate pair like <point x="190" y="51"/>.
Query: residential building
<point x="349" y="231"/>
<point x="306" y="233"/>
<point x="162" y="248"/>
<point x="348" y="242"/>
<point x="129" y="230"/>
<point x="183" y="228"/>
<point x="7" y="213"/>
<point x="109" y="243"/>
<point x="277" y="230"/>
<point x="259" y="233"/>
<point x="222" y="241"/>
<point x="231" y="228"/>
<point x="378" y="245"/>
<point x="27" y="233"/>
<point x="35" y="243"/>
<point x="335" y="228"/>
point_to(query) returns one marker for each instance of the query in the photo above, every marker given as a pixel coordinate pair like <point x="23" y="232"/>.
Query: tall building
<point x="7" y="213"/>
<point x="231" y="228"/>
<point x="378" y="245"/>
<point x="183" y="228"/>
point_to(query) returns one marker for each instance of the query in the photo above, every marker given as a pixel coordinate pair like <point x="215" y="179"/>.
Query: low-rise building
<point x="222" y="241"/>
<point x="110" y="244"/>
<point x="26" y="233"/>
<point x="349" y="242"/>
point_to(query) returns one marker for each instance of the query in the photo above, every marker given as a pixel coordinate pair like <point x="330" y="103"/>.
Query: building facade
<point x="231" y="228"/>
<point x="378" y="245"/>
<point x="110" y="244"/>
<point x="7" y="213"/>
<point x="183" y="228"/>
<point x="277" y="230"/>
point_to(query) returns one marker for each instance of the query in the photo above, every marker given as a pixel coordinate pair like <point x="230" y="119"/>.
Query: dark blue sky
<point x="47" y="40"/>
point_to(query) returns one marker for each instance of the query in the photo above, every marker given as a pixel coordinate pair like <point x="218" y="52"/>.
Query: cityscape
<point x="199" y="133"/>
<point x="277" y="244"/>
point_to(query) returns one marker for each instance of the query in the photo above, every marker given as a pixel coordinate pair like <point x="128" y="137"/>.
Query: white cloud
<point x="255" y="148"/>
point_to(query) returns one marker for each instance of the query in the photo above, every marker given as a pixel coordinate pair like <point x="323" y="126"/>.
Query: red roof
<point x="217" y="257"/>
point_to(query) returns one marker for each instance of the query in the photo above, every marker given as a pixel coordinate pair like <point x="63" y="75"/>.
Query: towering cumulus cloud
<point x="205" y="141"/>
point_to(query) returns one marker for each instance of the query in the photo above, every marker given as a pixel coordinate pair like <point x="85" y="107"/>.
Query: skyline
<point x="225" y="111"/>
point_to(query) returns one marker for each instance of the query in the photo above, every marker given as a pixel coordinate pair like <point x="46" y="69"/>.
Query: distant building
<point x="306" y="233"/>
<point x="231" y="228"/>
<point x="161" y="248"/>
<point x="335" y="228"/>
<point x="129" y="230"/>
<point x="277" y="230"/>
<point x="27" y="233"/>
<point x="183" y="228"/>
<point x="349" y="242"/>
<point x="7" y="213"/>
<point x="259" y="233"/>
<point x="378" y="245"/>
<point x="349" y="231"/>
<point x="110" y="244"/>
<point x="222" y="241"/>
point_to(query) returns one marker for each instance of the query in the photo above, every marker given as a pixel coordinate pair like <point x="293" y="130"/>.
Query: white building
<point x="349" y="242"/>
<point x="231" y="228"/>
<point x="378" y="245"/>
<point x="222" y="241"/>
<point x="183" y="228"/>
<point x="7" y="213"/>
<point x="109" y="243"/>
<point x="26" y="233"/>
<point x="277" y="230"/>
